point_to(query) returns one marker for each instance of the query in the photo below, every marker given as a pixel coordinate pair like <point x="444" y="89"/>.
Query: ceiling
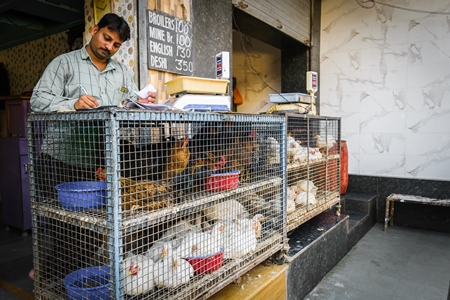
<point x="23" y="21"/>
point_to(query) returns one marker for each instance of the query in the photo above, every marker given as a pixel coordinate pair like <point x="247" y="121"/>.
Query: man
<point x="88" y="77"/>
<point x="81" y="79"/>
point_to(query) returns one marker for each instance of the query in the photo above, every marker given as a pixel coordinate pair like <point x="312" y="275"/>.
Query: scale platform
<point x="290" y="98"/>
<point x="200" y="102"/>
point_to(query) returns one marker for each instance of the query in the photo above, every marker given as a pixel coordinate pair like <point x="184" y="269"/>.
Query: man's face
<point x="104" y="43"/>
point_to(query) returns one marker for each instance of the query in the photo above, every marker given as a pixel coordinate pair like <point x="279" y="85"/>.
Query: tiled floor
<point x="399" y="264"/>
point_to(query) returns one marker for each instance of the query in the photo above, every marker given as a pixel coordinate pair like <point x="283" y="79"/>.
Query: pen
<point x="83" y="89"/>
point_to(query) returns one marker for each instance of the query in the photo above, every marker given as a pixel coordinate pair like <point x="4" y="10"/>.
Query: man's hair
<point x="115" y="23"/>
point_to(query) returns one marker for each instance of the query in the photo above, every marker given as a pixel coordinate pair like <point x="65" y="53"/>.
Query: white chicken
<point x="291" y="195"/>
<point x="253" y="223"/>
<point x="161" y="249"/>
<point x="273" y="151"/>
<point x="307" y="193"/>
<point x="178" y="232"/>
<point x="301" y="155"/>
<point x="292" y="148"/>
<point x="192" y="244"/>
<point x="241" y="239"/>
<point x="230" y="209"/>
<point x="214" y="240"/>
<point x="138" y="274"/>
<point x="314" y="153"/>
<point x="304" y="198"/>
<point x="325" y="142"/>
<point x="171" y="272"/>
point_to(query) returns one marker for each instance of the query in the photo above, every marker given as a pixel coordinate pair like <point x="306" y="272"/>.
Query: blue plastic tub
<point x="81" y="195"/>
<point x="89" y="283"/>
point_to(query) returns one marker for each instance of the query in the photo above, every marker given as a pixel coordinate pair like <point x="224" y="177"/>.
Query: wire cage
<point x="313" y="166"/>
<point x="142" y="204"/>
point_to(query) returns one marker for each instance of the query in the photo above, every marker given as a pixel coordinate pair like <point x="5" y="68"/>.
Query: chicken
<point x="141" y="194"/>
<point x="324" y="142"/>
<point x="291" y="195"/>
<point x="239" y="240"/>
<point x="301" y="155"/>
<point x="160" y="250"/>
<point x="172" y="272"/>
<point x="214" y="239"/>
<point x="240" y="156"/>
<point x="254" y="223"/>
<point x="307" y="193"/>
<point x="227" y="210"/>
<point x="200" y="167"/>
<point x="191" y="244"/>
<point x="210" y="161"/>
<point x="178" y="159"/>
<point x="155" y="161"/>
<point x="179" y="229"/>
<point x="255" y="204"/>
<point x="272" y="151"/>
<point x="138" y="274"/>
<point x="292" y="148"/>
<point x="314" y="153"/>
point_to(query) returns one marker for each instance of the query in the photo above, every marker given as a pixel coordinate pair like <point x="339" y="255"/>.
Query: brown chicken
<point x="140" y="194"/>
<point x="240" y="156"/>
<point x="211" y="162"/>
<point x="177" y="160"/>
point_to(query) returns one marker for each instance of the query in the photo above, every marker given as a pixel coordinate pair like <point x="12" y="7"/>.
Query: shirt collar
<point x="85" y="56"/>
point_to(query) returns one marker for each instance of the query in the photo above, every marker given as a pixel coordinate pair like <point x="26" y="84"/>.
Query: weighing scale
<point x="202" y="94"/>
<point x="296" y="102"/>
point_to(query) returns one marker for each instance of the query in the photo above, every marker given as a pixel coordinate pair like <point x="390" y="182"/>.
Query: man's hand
<point x="149" y="100"/>
<point x="86" y="101"/>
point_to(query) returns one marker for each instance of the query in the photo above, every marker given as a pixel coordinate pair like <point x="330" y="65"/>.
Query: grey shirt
<point x="59" y="86"/>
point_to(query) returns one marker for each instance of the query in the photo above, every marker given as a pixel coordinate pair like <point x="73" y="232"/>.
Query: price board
<point x="169" y="43"/>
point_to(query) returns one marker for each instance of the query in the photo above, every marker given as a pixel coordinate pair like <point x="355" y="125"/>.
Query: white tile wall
<point x="385" y="72"/>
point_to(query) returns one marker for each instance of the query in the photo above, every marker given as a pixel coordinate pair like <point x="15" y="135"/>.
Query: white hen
<point x="213" y="242"/>
<point x="291" y="195"/>
<point x="192" y="244"/>
<point x="325" y="142"/>
<point x="138" y="274"/>
<point x="292" y="148"/>
<point x="172" y="272"/>
<point x="160" y="250"/>
<point x="273" y="151"/>
<point x="242" y="238"/>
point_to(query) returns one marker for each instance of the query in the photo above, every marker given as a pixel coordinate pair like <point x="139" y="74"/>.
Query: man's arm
<point x="47" y="94"/>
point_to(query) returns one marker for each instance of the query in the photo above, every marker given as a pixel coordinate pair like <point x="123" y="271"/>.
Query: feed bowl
<point x="206" y="264"/>
<point x="222" y="181"/>
<point x="80" y="195"/>
<point x="88" y="283"/>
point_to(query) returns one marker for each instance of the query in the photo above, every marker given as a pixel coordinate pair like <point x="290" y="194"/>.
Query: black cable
<point x="363" y="3"/>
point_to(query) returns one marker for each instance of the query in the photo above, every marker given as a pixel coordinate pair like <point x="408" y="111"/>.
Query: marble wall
<point x="248" y="55"/>
<point x="384" y="71"/>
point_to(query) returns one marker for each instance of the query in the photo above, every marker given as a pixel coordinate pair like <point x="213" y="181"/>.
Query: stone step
<point x="320" y="243"/>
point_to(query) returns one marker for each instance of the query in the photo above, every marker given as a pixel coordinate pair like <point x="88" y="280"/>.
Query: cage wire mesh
<point x="139" y="204"/>
<point x="313" y="166"/>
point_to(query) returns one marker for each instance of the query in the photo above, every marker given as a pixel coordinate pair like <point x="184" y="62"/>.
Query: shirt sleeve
<point x="48" y="92"/>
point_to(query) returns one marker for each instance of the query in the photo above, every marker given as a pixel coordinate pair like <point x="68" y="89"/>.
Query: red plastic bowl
<point x="206" y="264"/>
<point x="222" y="181"/>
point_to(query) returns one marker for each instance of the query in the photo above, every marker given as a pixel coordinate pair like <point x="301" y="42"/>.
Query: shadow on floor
<point x="16" y="260"/>
<point x="398" y="264"/>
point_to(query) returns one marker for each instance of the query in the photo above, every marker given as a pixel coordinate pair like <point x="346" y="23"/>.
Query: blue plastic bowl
<point x="82" y="195"/>
<point x="89" y="283"/>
